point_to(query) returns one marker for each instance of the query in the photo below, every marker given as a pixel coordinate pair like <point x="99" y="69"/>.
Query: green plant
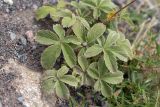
<point x="90" y="48"/>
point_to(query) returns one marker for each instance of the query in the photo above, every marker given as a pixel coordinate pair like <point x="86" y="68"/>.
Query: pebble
<point x="23" y="40"/>
<point x="10" y="2"/>
<point x="35" y="7"/>
<point x="30" y="36"/>
<point x="20" y="99"/>
<point x="12" y="36"/>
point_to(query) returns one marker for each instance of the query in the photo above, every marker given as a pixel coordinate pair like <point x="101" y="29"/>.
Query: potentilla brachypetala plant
<point x="89" y="45"/>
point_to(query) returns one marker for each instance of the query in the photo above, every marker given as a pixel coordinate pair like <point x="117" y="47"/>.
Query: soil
<point x="15" y="21"/>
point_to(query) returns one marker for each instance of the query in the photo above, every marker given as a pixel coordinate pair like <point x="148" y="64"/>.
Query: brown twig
<point x="122" y="9"/>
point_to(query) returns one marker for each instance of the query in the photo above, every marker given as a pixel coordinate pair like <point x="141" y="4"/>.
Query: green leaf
<point x="125" y="46"/>
<point x="110" y="61"/>
<point x="96" y="31"/>
<point x="119" y="52"/>
<point x="49" y="56"/>
<point x="113" y="78"/>
<point x="50" y="73"/>
<point x="96" y="13"/>
<point x="92" y="71"/>
<point x="97" y="85"/>
<point x="106" y="90"/>
<point x="69" y="79"/>
<point x="86" y="80"/>
<point x="93" y="51"/>
<point x="102" y="69"/>
<point x="68" y="21"/>
<point x="106" y="5"/>
<point x="83" y="62"/>
<point x="84" y="22"/>
<point x="59" y="30"/>
<point x="72" y="39"/>
<point x="62" y="71"/>
<point x="61" y="4"/>
<point x="46" y="37"/>
<point x="64" y="13"/>
<point x="48" y="85"/>
<point x="90" y="3"/>
<point x="61" y="90"/>
<point x="112" y="38"/>
<point x="43" y="11"/>
<point x="101" y="41"/>
<point x="79" y="30"/>
<point x="69" y="55"/>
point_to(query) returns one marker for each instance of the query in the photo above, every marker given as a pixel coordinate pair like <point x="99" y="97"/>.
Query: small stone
<point x="12" y="36"/>
<point x="23" y="40"/>
<point x="10" y="2"/>
<point x="7" y="10"/>
<point x="30" y="36"/>
<point x="20" y="99"/>
<point x="0" y="104"/>
<point x="35" y="7"/>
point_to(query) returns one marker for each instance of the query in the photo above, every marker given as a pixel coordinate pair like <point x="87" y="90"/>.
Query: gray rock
<point x="0" y="104"/>
<point x="20" y="99"/>
<point x="23" y="40"/>
<point x="12" y="36"/>
<point x="35" y="7"/>
<point x="10" y="2"/>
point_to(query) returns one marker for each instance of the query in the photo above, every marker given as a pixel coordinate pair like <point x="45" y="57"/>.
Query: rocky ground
<point x="20" y="69"/>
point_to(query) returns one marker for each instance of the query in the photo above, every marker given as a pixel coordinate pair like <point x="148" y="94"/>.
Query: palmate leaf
<point x="84" y="22"/>
<point x="69" y="21"/>
<point x="62" y="71"/>
<point x="69" y="55"/>
<point x="61" y="4"/>
<point x="106" y="5"/>
<point x="64" y="13"/>
<point x="66" y="21"/>
<point x="93" y="51"/>
<point x="92" y="71"/>
<point x="97" y="85"/>
<point x="112" y="38"/>
<point x="50" y="73"/>
<point x="96" y="13"/>
<point x="69" y="79"/>
<point x="113" y="78"/>
<point x="106" y="90"/>
<point x="102" y="69"/>
<point x="79" y="30"/>
<point x="119" y="52"/>
<point x="59" y="31"/>
<point x="125" y="45"/>
<point x="49" y="56"/>
<point x="46" y="37"/>
<point x="72" y="39"/>
<point x="90" y="3"/>
<point x="43" y="11"/>
<point x="95" y="32"/>
<point x="61" y="90"/>
<point x="86" y="80"/>
<point x="110" y="61"/>
<point x="82" y="60"/>
<point x="48" y="85"/>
